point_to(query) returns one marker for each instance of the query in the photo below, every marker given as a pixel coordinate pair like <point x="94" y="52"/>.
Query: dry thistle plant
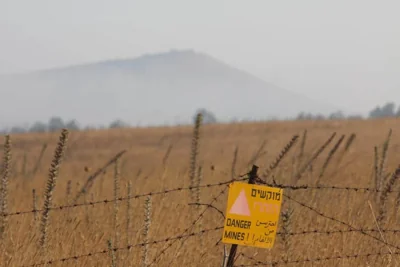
<point x="329" y="157"/>
<point x="146" y="230"/>
<point x="197" y="197"/>
<point x="4" y="187"/>
<point x="166" y="156"/>
<point x="313" y="158"/>
<point x="88" y="210"/>
<point x="280" y="157"/>
<point x="111" y="252"/>
<point x="397" y="203"/>
<point x="260" y="151"/>
<point x="39" y="161"/>
<point x="33" y="223"/>
<point x="376" y="169"/>
<point x="68" y="191"/>
<point x="302" y="146"/>
<point x="68" y="199"/>
<point x="195" y="149"/>
<point x="286" y="229"/>
<point x="384" y="195"/>
<point x="197" y="184"/>
<point x="128" y="212"/>
<point x="116" y="202"/>
<point x="90" y="180"/>
<point x="385" y="148"/>
<point x="51" y="184"/>
<point x="350" y="141"/>
<point x="234" y="162"/>
<point x="85" y="201"/>
<point x="381" y="234"/>
<point x="24" y="162"/>
<point x="34" y="204"/>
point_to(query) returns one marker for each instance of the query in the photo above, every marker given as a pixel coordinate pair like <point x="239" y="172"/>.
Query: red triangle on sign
<point x="240" y="206"/>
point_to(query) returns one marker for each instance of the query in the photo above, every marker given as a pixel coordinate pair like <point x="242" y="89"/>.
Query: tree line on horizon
<point x="56" y="123"/>
<point x="388" y="110"/>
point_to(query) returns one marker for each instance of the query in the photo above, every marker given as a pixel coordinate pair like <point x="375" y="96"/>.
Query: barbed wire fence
<point x="188" y="233"/>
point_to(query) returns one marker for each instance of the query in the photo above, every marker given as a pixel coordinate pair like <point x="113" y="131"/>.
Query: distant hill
<point x="150" y="90"/>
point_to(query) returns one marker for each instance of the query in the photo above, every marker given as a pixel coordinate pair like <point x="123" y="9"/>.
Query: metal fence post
<point x="232" y="252"/>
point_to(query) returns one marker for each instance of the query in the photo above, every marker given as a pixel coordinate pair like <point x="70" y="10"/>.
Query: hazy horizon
<point x="343" y="53"/>
<point x="155" y="89"/>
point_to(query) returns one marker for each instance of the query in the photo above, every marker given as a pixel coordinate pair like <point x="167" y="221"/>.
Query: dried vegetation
<point x="111" y="165"/>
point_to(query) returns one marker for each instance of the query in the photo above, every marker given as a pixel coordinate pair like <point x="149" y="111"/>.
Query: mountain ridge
<point x="189" y="79"/>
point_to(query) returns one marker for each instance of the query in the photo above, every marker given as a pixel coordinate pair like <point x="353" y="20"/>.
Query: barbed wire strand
<point x="283" y="186"/>
<point x="156" y="258"/>
<point x="128" y="247"/>
<point x="331" y="232"/>
<point x="107" y="201"/>
<point x="363" y="231"/>
<point x="312" y="231"/>
<point x="341" y="222"/>
<point x="242" y="177"/>
<point x="322" y="187"/>
<point x="186" y="235"/>
<point x="209" y="206"/>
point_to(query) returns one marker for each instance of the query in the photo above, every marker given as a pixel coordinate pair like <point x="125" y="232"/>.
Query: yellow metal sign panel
<point x="252" y="215"/>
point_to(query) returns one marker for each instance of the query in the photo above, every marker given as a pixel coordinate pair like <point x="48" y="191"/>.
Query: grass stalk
<point x="146" y="230"/>
<point x="51" y="184"/>
<point x="4" y="187"/>
<point x="195" y="149"/>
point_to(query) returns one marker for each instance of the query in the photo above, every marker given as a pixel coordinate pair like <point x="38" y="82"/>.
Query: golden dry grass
<point x="86" y="229"/>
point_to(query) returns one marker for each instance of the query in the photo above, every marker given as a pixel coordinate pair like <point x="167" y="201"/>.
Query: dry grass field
<point x="318" y="227"/>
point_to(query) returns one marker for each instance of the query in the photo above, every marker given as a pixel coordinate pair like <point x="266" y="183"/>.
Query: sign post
<point x="252" y="215"/>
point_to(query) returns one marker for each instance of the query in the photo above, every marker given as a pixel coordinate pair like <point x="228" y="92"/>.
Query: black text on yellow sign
<point x="252" y="215"/>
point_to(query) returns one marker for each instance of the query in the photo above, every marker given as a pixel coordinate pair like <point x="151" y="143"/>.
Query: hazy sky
<point x="344" y="52"/>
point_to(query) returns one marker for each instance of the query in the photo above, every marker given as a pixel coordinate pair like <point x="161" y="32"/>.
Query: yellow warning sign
<point x="252" y="215"/>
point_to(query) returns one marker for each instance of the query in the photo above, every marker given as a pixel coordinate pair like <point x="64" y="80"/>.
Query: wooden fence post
<point x="232" y="252"/>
